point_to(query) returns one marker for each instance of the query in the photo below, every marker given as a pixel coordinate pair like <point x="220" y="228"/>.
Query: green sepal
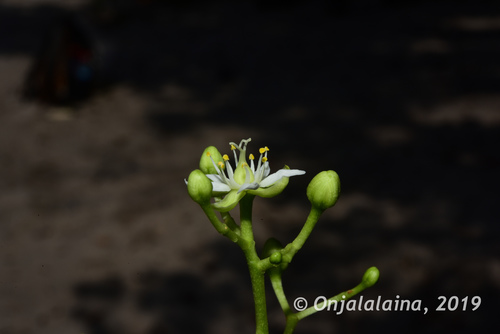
<point x="229" y="201"/>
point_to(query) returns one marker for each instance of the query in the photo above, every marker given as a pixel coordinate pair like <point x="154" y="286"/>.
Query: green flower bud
<point x="275" y="258"/>
<point x="210" y="156"/>
<point x="272" y="249"/>
<point x="324" y="189"/>
<point x="271" y="246"/>
<point x="199" y="187"/>
<point x="370" y="277"/>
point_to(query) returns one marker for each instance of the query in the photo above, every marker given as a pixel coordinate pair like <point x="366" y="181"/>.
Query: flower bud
<point x="272" y="249"/>
<point x="370" y="277"/>
<point x="210" y="156"/>
<point x="199" y="187"/>
<point x="324" y="189"/>
<point x="275" y="258"/>
<point x="271" y="246"/>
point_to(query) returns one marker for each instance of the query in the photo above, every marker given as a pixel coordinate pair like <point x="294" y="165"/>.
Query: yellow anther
<point x="208" y="154"/>
<point x="262" y="150"/>
<point x="233" y="147"/>
<point x="266" y="148"/>
<point x="221" y="164"/>
<point x="225" y="157"/>
<point x="264" y="159"/>
<point x="251" y="157"/>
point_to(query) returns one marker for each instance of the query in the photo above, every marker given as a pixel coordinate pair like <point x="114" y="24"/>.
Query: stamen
<point x="219" y="171"/>
<point x="221" y="164"/>
<point x="230" y="174"/>
<point x="233" y="148"/>
<point x="215" y="165"/>
<point x="252" y="165"/>
<point x="208" y="154"/>
<point x="225" y="157"/>
<point x="259" y="164"/>
<point x="263" y="149"/>
<point x="264" y="159"/>
<point x="235" y="158"/>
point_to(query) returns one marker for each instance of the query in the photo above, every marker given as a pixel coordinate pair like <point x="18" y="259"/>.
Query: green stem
<point x="253" y="260"/>
<point x="221" y="227"/>
<point x="292" y="248"/>
<point x="291" y="323"/>
<point x="246" y="204"/>
<point x="259" y="295"/>
<point x="275" y="277"/>
<point x="291" y="318"/>
<point x="341" y="297"/>
<point x="226" y="216"/>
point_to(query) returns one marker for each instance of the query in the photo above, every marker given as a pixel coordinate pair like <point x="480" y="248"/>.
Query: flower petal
<point x="267" y="170"/>
<point x="215" y="178"/>
<point x="271" y="191"/>
<point x="218" y="184"/>
<point x="218" y="187"/>
<point x="275" y="177"/>
<point x="246" y="186"/>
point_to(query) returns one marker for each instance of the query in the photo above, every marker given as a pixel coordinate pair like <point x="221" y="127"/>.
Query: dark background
<point x="98" y="234"/>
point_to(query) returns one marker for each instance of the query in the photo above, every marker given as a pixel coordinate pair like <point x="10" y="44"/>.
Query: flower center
<point x="242" y="173"/>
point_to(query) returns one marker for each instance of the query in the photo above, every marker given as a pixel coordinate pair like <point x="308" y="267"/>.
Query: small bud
<point x="272" y="249"/>
<point x="275" y="258"/>
<point x="324" y="189"/>
<point x="210" y="156"/>
<point x="199" y="187"/>
<point x="370" y="277"/>
<point x="271" y="246"/>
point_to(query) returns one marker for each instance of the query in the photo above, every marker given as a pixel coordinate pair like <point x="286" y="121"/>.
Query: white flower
<point x="245" y="178"/>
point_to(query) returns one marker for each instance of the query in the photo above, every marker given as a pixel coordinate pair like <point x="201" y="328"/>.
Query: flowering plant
<point x="216" y="179"/>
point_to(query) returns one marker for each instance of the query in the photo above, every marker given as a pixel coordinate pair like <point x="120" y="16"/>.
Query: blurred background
<point x="106" y="106"/>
